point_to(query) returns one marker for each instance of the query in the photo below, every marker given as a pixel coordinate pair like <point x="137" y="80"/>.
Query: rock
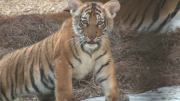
<point x="160" y="94"/>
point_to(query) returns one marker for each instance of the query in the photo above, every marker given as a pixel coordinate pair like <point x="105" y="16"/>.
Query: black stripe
<point x="44" y="78"/>
<point x="7" y="76"/>
<point x="156" y="14"/>
<point x="52" y="39"/>
<point x="81" y="26"/>
<point x="103" y="79"/>
<point x="69" y="61"/>
<point x="51" y="81"/>
<point x="49" y="64"/>
<point x="1" y="85"/>
<point x="82" y="47"/>
<point x="67" y="10"/>
<point x="74" y="43"/>
<point x="32" y="72"/>
<point x="42" y="74"/>
<point x="12" y="75"/>
<point x="9" y="73"/>
<point x="78" y="59"/>
<point x="170" y="16"/>
<point x="104" y="65"/>
<point x="16" y="73"/>
<point x="47" y="56"/>
<point x="88" y="13"/>
<point x="101" y="55"/>
<point x="87" y="10"/>
<point x="124" y="2"/>
<point x="84" y="17"/>
<point x="129" y="15"/>
<point x="1" y="72"/>
<point x="71" y="64"/>
<point x="104" y="26"/>
<point x="144" y="14"/>
<point x="92" y="51"/>
<point x="32" y="79"/>
<point x="16" y="70"/>
<point x="16" y="77"/>
<point x="2" y="91"/>
<point x="4" y="94"/>
<point x="98" y="10"/>
<point x="99" y="15"/>
<point x="12" y="88"/>
<point x="99" y="45"/>
<point x="164" y="1"/>
<point x="28" y="58"/>
<point x="133" y="21"/>
<point x="23" y="67"/>
<point x="176" y="10"/>
<point x="164" y="22"/>
<point x="26" y="88"/>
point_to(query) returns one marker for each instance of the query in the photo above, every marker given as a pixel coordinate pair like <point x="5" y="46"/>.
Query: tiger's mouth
<point x="92" y="42"/>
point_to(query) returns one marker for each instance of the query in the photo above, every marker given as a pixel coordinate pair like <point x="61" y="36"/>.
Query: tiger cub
<point x="79" y="47"/>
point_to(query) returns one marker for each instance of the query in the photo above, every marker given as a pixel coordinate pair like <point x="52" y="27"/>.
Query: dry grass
<point x="146" y="61"/>
<point x="143" y="61"/>
<point x="19" y="7"/>
<point x="25" y="30"/>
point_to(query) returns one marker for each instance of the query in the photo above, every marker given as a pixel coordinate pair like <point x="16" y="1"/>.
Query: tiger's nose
<point x="92" y="37"/>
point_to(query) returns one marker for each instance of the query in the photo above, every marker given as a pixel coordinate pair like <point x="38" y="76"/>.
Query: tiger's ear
<point x="74" y="5"/>
<point x="113" y="7"/>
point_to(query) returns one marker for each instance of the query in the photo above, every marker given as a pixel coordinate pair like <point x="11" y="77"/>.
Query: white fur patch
<point x="91" y="46"/>
<point x="172" y="25"/>
<point x="82" y="69"/>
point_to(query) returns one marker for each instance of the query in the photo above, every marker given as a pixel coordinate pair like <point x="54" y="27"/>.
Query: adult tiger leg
<point x="63" y="80"/>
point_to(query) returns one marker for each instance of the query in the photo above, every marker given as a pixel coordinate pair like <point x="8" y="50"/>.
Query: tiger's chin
<point x="91" y="45"/>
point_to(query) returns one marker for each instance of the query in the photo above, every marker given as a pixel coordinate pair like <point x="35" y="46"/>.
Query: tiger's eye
<point x="100" y="22"/>
<point x="84" y="22"/>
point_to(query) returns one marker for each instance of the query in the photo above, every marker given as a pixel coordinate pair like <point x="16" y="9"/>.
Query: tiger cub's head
<point x="92" y="21"/>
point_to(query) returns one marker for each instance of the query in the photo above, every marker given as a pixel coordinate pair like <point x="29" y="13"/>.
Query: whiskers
<point x="77" y="40"/>
<point x="104" y="40"/>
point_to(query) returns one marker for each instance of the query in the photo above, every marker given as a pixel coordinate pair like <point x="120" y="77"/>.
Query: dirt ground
<point x="143" y="61"/>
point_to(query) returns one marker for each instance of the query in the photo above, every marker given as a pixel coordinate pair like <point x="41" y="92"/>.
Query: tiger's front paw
<point x="67" y="98"/>
<point x="114" y="98"/>
<point x="125" y="98"/>
<point x="72" y="98"/>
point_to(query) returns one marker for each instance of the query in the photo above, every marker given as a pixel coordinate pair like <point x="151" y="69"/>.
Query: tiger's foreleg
<point x="63" y="80"/>
<point x="105" y="75"/>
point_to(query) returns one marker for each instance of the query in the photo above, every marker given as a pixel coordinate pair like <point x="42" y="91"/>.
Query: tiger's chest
<point x="83" y="66"/>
